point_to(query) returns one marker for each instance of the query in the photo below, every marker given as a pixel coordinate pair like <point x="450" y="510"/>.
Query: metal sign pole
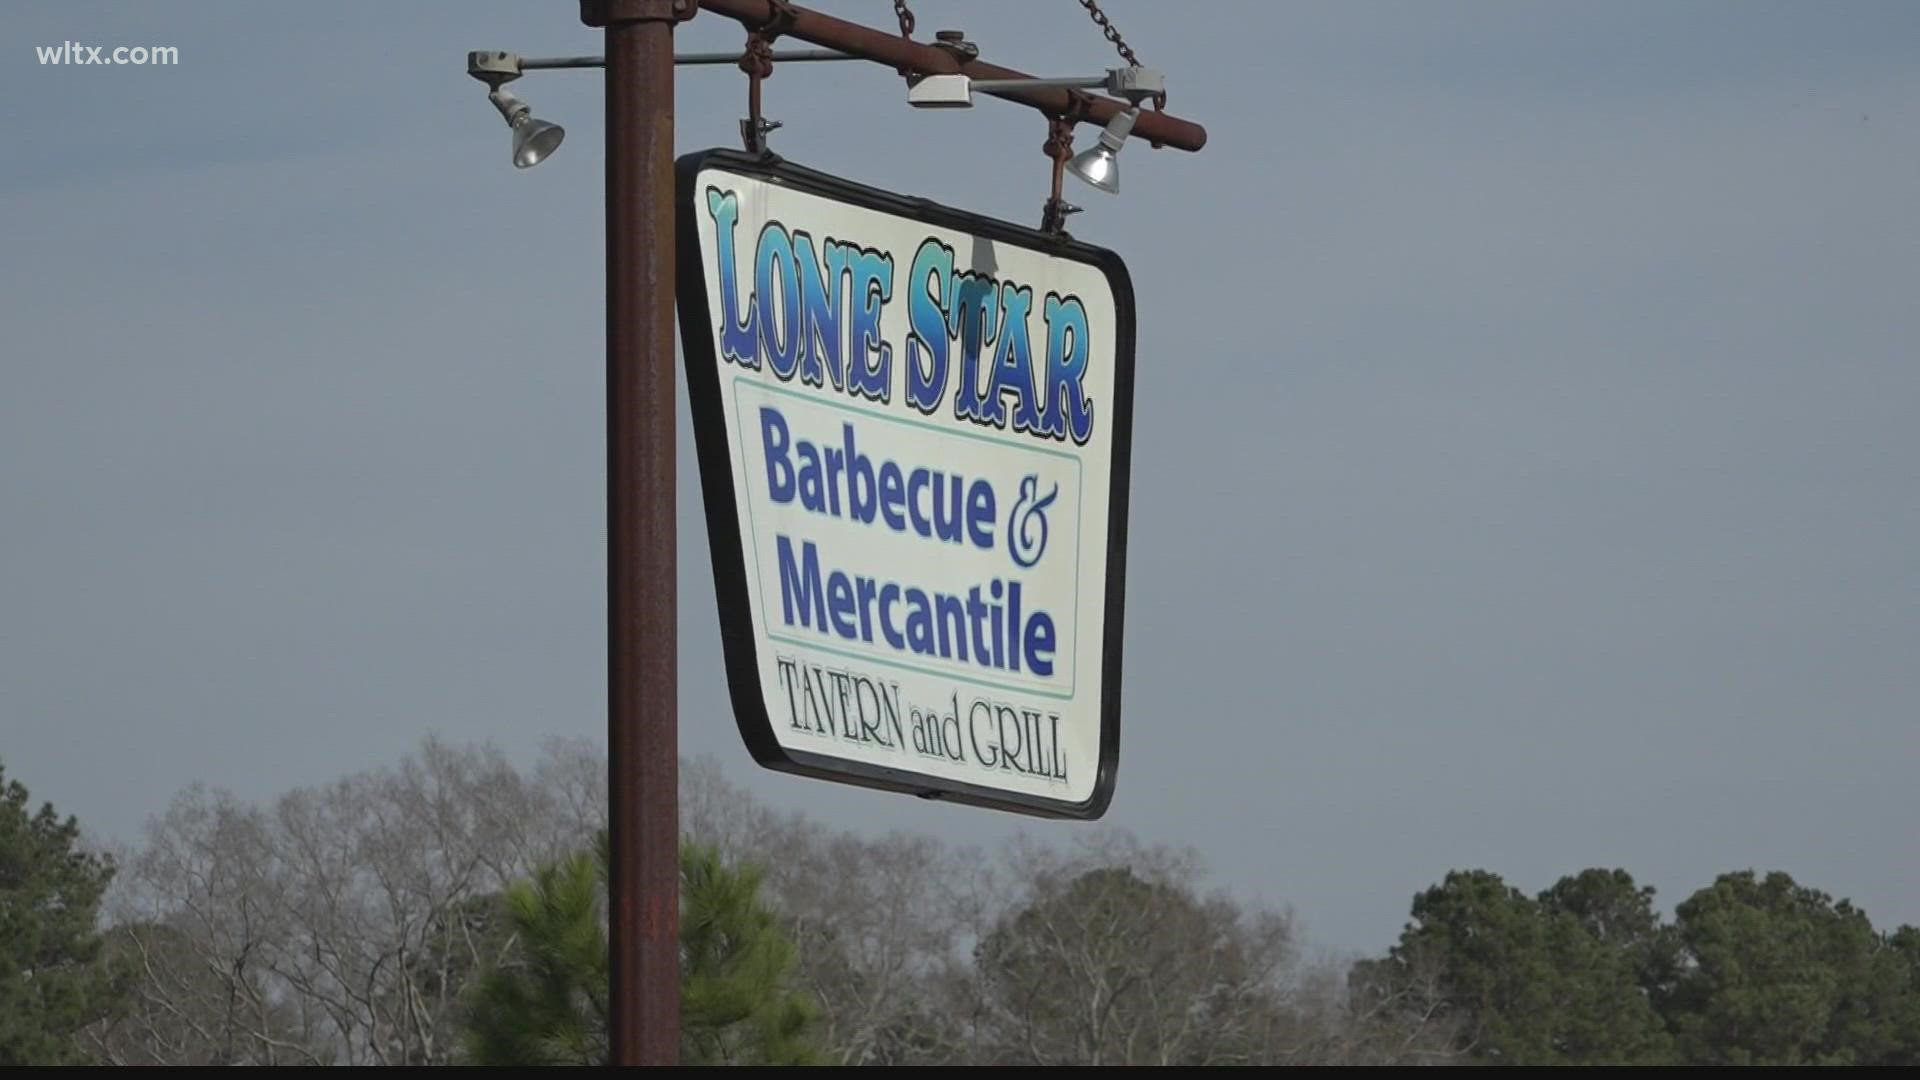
<point x="642" y="706"/>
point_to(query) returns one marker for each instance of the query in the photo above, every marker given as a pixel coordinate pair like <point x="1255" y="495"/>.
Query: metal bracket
<point x="955" y="44"/>
<point x="1059" y="148"/>
<point x="753" y="133"/>
<point x="780" y="19"/>
<point x="1137" y="84"/>
<point x="601" y="13"/>
<point x="493" y="68"/>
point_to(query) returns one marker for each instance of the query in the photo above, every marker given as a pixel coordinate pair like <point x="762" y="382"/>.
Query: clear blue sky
<point x="1525" y="469"/>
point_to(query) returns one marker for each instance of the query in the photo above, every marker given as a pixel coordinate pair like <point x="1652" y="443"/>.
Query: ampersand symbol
<point x="1027" y="524"/>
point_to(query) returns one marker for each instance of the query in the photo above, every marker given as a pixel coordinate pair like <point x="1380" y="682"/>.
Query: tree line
<point x="451" y="909"/>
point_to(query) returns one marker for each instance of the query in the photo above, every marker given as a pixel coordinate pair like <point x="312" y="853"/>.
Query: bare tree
<point x="572" y="775"/>
<point x="341" y="925"/>
<point x="1109" y="956"/>
<point x="1362" y="1014"/>
<point x="196" y="916"/>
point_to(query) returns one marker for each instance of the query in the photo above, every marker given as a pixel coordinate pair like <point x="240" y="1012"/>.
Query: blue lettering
<point x="773" y="434"/>
<point x="1013" y="363"/>
<point x="776" y="253"/>
<point x="870" y="359"/>
<point x="892" y="496"/>
<point x="972" y="321"/>
<point x="917" y="482"/>
<point x="927" y="342"/>
<point x="861" y="502"/>
<point x="800" y="586"/>
<point x="841" y="480"/>
<point x="888" y="594"/>
<point x="840" y="604"/>
<point x="737" y="341"/>
<point x="811" y="495"/>
<point x="836" y="461"/>
<point x="948" y="518"/>
<point x="980" y="514"/>
<point x="1066" y="407"/>
<point x="819" y="312"/>
<point x="812" y="373"/>
<point x="953" y="626"/>
<point x="919" y="623"/>
<point x="1040" y="644"/>
<point x="985" y="630"/>
<point x="867" y="591"/>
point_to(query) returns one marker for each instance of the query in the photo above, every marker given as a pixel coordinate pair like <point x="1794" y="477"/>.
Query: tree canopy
<point x="1753" y="970"/>
<point x="548" y="1002"/>
<point x="51" y="981"/>
<point x="452" y="909"/>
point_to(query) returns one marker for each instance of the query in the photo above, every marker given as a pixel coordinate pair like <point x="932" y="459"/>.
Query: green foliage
<point x="1901" y="958"/>
<point x="1753" y="971"/>
<point x="1620" y="915"/>
<point x="1783" y="975"/>
<point x="51" y="983"/>
<point x="734" y="1009"/>
<point x="1547" y="981"/>
<point x="549" y="1004"/>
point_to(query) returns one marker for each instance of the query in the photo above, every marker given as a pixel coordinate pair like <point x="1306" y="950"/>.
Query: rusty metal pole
<point x="642" y="707"/>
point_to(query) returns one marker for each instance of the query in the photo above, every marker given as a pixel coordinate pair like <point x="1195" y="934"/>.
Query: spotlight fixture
<point x="1099" y="165"/>
<point x="534" y="140"/>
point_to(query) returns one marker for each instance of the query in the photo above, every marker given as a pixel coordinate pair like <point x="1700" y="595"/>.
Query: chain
<point x="1113" y="33"/>
<point x="906" y="34"/>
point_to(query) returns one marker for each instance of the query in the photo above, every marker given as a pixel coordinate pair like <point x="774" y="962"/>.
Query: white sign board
<point x="914" y="427"/>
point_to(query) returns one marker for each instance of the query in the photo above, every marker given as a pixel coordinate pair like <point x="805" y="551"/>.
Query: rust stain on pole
<point x="889" y="48"/>
<point x="642" y="714"/>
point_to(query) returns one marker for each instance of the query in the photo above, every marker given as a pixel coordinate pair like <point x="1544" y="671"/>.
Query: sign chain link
<point x="1120" y="45"/>
<point x="906" y="32"/>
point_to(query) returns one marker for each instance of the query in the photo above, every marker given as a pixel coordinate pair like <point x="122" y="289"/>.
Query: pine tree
<point x="549" y="1005"/>
<point x="51" y="981"/>
<point x="1547" y="981"/>
<point x="1782" y="974"/>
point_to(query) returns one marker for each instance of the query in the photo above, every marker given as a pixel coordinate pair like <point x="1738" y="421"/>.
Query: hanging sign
<point x="914" y="427"/>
